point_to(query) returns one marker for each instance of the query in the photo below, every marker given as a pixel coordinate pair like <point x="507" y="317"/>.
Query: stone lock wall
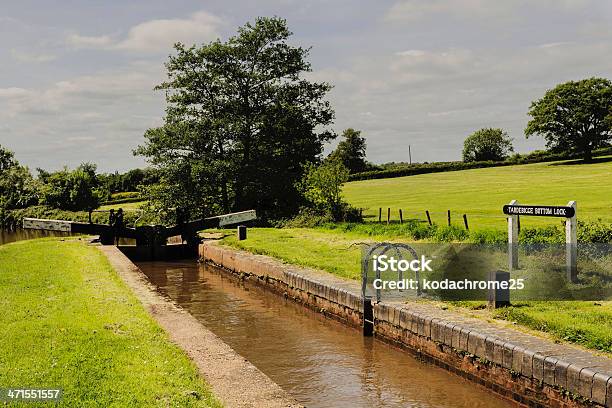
<point x="526" y="369"/>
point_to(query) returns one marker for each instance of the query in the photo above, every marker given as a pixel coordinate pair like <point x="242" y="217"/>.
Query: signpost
<point x="514" y="210"/>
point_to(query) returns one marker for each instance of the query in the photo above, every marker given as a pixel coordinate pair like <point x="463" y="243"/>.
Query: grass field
<point x="481" y="193"/>
<point x="338" y="252"/>
<point x="69" y="322"/>
<point x="126" y="206"/>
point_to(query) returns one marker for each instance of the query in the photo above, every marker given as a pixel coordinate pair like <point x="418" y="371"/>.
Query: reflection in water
<point x="320" y="362"/>
<point x="22" y="234"/>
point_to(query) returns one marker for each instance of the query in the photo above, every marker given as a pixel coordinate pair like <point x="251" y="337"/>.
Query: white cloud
<point x="31" y="57"/>
<point x="411" y="10"/>
<point x="82" y="41"/>
<point x="410" y="53"/>
<point x="13" y="93"/>
<point x="555" y="44"/>
<point x="102" y="116"/>
<point x="155" y="35"/>
<point x="407" y="10"/>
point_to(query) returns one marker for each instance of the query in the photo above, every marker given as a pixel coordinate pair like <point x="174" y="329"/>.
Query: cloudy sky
<point x="76" y="77"/>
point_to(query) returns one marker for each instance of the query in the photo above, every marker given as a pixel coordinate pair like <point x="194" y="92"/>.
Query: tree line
<point x="245" y="129"/>
<point x="79" y="189"/>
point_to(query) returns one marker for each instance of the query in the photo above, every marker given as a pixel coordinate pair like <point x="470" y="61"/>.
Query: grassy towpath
<point x="481" y="193"/>
<point x="69" y="322"/>
<point x="582" y="322"/>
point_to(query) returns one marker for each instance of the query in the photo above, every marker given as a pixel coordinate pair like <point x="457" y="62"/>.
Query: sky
<point x="77" y="77"/>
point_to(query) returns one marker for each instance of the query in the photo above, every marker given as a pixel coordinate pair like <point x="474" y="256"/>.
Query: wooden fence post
<point x="379" y="214"/>
<point x="401" y="217"/>
<point x="449" y="218"/>
<point x="428" y="217"/>
<point x="388" y="215"/>
<point x="465" y="222"/>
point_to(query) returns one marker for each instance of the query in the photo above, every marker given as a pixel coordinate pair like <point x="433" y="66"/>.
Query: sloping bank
<point x="525" y="368"/>
<point x="68" y="322"/>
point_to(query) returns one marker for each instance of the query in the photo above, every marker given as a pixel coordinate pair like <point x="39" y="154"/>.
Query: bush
<point x="594" y="232"/>
<point x="400" y="170"/>
<point x="322" y="188"/>
<point x="588" y="232"/>
<point x="75" y="190"/>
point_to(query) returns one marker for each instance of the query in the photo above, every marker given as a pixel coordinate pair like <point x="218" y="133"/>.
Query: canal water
<point x="22" y="234"/>
<point x="320" y="362"/>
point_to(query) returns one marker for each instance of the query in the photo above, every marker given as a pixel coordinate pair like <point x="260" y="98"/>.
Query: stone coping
<point x="561" y="366"/>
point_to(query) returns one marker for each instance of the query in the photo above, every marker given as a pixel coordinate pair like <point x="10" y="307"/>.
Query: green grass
<point x="586" y="323"/>
<point x="333" y="252"/>
<point x="126" y="206"/>
<point x="481" y="193"/>
<point x="69" y="322"/>
<point x="336" y="251"/>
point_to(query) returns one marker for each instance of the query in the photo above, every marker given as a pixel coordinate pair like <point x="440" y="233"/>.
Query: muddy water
<point x="320" y="362"/>
<point x="22" y="234"/>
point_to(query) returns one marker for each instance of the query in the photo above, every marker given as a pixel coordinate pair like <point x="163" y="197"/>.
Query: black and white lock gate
<point x="514" y="211"/>
<point x="146" y="235"/>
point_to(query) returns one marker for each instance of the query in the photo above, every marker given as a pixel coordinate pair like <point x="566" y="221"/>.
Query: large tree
<point x="351" y="151"/>
<point x="18" y="188"/>
<point x="574" y="117"/>
<point x="487" y="144"/>
<point x="240" y="125"/>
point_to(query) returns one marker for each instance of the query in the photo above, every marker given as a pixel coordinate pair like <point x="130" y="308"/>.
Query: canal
<point x="320" y="362"/>
<point x="22" y="234"/>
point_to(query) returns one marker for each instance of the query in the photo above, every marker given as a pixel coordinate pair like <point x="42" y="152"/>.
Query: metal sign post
<point x="513" y="240"/>
<point x="571" y="245"/>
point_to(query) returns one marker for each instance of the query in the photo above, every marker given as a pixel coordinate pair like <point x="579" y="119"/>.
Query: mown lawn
<point x="69" y="322"/>
<point x="481" y="193"/>
<point x="586" y="323"/>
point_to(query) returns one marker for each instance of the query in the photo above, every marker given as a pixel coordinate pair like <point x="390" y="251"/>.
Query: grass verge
<point x="69" y="322"/>
<point x="336" y="251"/>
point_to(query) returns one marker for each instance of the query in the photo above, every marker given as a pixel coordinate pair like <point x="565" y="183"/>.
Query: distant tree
<point x="7" y="159"/>
<point x="351" y="151"/>
<point x="487" y="144"/>
<point x="574" y="117"/>
<point x="129" y="181"/>
<point x="75" y="190"/>
<point x="18" y="188"/>
<point x="322" y="186"/>
<point x="240" y="125"/>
